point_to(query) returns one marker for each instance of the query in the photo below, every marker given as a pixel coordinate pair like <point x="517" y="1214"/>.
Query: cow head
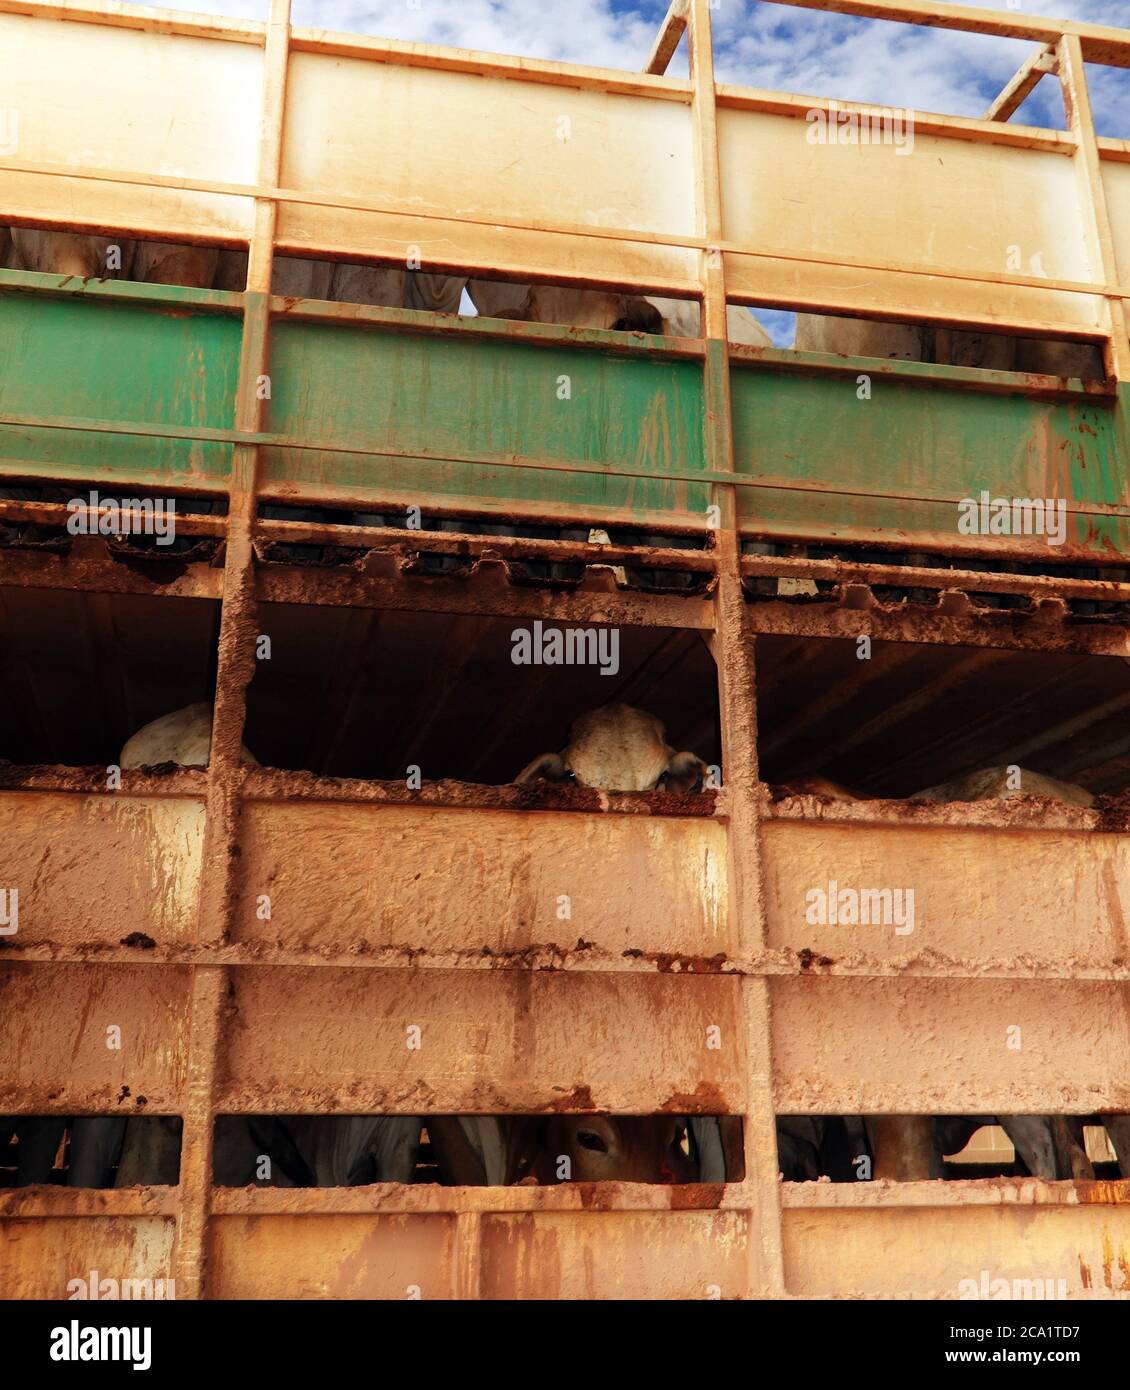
<point x="608" y="1148"/>
<point x="618" y="748"/>
<point x="587" y="309"/>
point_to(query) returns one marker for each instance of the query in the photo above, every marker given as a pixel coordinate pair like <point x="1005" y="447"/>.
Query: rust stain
<point x="1084" y="1273"/>
<point x="672" y="963"/>
<point x="1103" y="1192"/>
<point x="707" y="1098"/>
<point x="1114" y="813"/>
<point x="699" y="1196"/>
<point x="579" y="1099"/>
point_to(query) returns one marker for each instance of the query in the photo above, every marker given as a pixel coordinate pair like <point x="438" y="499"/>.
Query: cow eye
<point x="589" y="1139"/>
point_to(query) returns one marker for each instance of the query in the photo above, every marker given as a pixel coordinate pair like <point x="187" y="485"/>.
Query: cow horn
<point x="548" y="765"/>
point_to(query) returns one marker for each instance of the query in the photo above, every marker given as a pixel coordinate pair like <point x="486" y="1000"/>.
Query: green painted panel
<point x="444" y="412"/>
<point x="918" y="448"/>
<point x="466" y="399"/>
<point x="79" y="357"/>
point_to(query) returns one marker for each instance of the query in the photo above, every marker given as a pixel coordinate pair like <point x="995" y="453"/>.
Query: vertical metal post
<point x="737" y="685"/>
<point x="468" y="1255"/>
<point x="236" y="665"/>
<point x="1100" y="239"/>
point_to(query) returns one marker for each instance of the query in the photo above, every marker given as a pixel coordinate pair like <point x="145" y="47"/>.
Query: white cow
<point x="111" y="258"/>
<point x="906" y="342"/>
<point x="909" y="1147"/>
<point x="1001" y="783"/>
<point x="1050" y="1146"/>
<point x="293" y="276"/>
<point x="578" y="308"/>
<point x="144" y="1148"/>
<point x="676" y="318"/>
<point x="183" y="737"/>
<point x="618" y="748"/>
<point x="340" y="1150"/>
<point x="166" y="263"/>
<point x="71" y="253"/>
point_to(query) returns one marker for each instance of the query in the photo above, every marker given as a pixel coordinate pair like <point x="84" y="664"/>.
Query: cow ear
<point x="685" y="773"/>
<point x="549" y="766"/>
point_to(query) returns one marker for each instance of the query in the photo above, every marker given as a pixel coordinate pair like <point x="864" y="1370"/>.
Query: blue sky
<point x="756" y="44"/>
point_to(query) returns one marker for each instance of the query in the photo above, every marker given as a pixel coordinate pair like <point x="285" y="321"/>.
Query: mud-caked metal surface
<point x="687" y="976"/>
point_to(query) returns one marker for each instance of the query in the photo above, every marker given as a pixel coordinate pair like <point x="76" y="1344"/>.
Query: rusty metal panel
<point x="429" y="140"/>
<point x="333" y="1257"/>
<point x="980" y="894"/>
<point x="433" y="401"/>
<point x="434" y="880"/>
<point x="611" y="1255"/>
<point x="827" y="465"/>
<point x="60" y="1052"/>
<point x="785" y="191"/>
<point x="957" y="1046"/>
<point x="952" y="1251"/>
<point x="489" y="1041"/>
<point x="78" y="358"/>
<point x="96" y="868"/>
<point x="1116" y="186"/>
<point x="39" y="1258"/>
<point x="56" y="76"/>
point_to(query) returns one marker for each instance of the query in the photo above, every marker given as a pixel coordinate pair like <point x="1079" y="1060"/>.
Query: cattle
<point x="682" y="319"/>
<point x="588" y="309"/>
<point x="104" y="258"/>
<point x="618" y="748"/>
<point x="71" y="253"/>
<point x="906" y="342"/>
<point x="1001" y="783"/>
<point x="481" y="1150"/>
<point x="810" y="1147"/>
<point x="911" y="1147"/>
<point x="608" y="310"/>
<point x="183" y="737"/>
<point x="487" y="1150"/>
<point x="605" y="1148"/>
<point x="674" y="318"/>
<point x="331" y="1150"/>
<point x="1049" y="1147"/>
<point x="164" y="263"/>
<point x="295" y="277"/>
<point x="143" y="1150"/>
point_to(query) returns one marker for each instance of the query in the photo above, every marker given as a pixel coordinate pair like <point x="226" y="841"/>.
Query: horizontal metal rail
<point x="649" y="247"/>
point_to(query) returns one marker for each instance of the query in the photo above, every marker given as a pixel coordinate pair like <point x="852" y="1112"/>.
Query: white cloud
<point x="582" y="31"/>
<point x="757" y="44"/>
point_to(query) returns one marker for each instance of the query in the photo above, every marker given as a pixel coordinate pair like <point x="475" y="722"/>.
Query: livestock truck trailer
<point x="459" y="816"/>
